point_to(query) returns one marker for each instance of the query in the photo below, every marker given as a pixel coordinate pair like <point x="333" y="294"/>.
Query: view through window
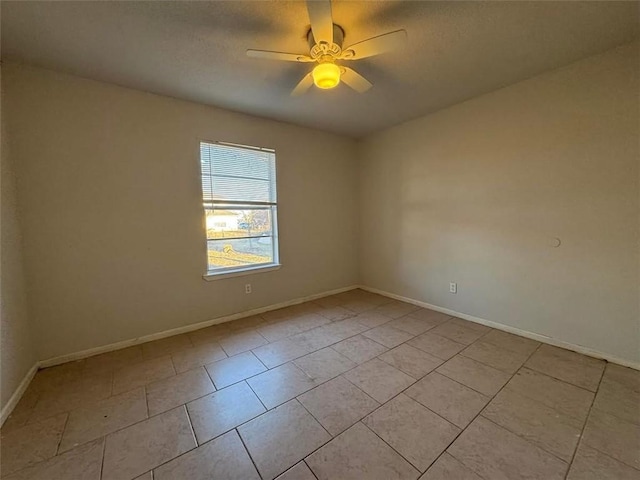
<point x="240" y="206"/>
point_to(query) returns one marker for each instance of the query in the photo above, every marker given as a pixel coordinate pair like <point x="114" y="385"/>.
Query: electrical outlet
<point x="247" y="288"/>
<point x="453" y="287"/>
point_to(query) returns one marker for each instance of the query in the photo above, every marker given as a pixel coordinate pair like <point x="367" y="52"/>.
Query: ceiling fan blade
<point x="376" y="45"/>
<point x="287" y="57"/>
<point x="303" y="85"/>
<point x="321" y="20"/>
<point x="355" y="80"/>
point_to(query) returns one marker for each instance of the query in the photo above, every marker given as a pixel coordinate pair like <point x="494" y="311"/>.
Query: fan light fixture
<point x="326" y="75"/>
<point x="325" y="40"/>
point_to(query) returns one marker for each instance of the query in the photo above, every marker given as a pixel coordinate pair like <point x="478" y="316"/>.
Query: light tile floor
<point x="353" y="386"/>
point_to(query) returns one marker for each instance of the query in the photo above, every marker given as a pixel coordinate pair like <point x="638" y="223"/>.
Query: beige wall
<point x="17" y="351"/>
<point x="109" y="186"/>
<point x="476" y="193"/>
<point x="109" y="195"/>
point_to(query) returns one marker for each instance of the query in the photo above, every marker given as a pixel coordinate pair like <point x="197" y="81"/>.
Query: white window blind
<point x="240" y="203"/>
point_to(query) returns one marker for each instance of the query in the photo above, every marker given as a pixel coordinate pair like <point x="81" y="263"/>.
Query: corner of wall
<point x="360" y="159"/>
<point x="480" y="192"/>
<point x="18" y="358"/>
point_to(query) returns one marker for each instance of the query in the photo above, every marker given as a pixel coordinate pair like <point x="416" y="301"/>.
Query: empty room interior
<point x="320" y="240"/>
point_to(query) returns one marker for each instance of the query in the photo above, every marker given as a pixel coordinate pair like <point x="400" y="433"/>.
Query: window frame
<point x="235" y="271"/>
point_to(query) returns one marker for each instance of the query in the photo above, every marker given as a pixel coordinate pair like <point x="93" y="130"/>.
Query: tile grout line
<point x="134" y="424"/>
<point x="300" y="403"/>
<point x="215" y="387"/>
<point x="183" y="453"/>
<point x="112" y="381"/>
<point x="446" y="338"/>
<point x="486" y="364"/>
<point x="247" y="450"/>
<point x="68" y="413"/>
<point x="560" y="380"/>
<point x="475" y="390"/>
<point x="355" y="315"/>
<point x="334" y="378"/>
<point x="146" y="401"/>
<point x="454" y="355"/>
<point x="479" y="414"/>
<point x="401" y="392"/>
<point x="193" y="432"/>
<point x="174" y="375"/>
<point x="387" y="443"/>
<point x="459" y="383"/>
<point x="290" y="361"/>
<point x="312" y="416"/>
<point x="64" y="428"/>
<point x="259" y="399"/>
<point x="380" y="405"/>
<point x="586" y="421"/>
<point x="532" y="443"/>
<point x="435" y="370"/>
<point x="569" y="463"/>
<point x="263" y="364"/>
<point x="267" y="410"/>
<point x="370" y="413"/>
<point x="613" y="458"/>
<point x="197" y="445"/>
<point x="312" y="472"/>
<point x="173" y="365"/>
<point x="104" y="449"/>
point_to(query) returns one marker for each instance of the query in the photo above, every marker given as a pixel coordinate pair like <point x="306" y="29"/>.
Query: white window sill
<point x="210" y="277"/>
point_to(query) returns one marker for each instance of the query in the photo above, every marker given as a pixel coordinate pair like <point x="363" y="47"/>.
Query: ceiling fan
<point x="326" y="48"/>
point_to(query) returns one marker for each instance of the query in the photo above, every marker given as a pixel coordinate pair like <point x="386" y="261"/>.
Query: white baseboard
<point x="517" y="331"/>
<point x="15" y="398"/>
<point x="185" y="329"/>
<point x="17" y="395"/>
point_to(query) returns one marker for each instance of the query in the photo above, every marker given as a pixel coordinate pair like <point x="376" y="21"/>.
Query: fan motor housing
<point x="334" y="49"/>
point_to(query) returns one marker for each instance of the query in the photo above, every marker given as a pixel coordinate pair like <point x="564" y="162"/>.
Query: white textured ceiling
<point x="196" y="50"/>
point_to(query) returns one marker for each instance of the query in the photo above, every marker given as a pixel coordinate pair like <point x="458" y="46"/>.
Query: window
<point x="240" y="207"/>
